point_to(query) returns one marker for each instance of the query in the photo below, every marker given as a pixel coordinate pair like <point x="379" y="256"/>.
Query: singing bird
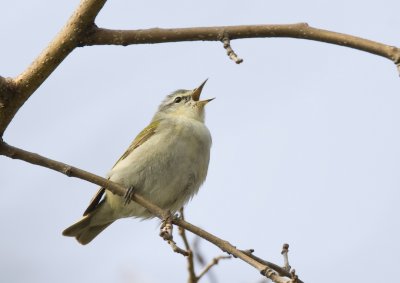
<point x="166" y="163"/>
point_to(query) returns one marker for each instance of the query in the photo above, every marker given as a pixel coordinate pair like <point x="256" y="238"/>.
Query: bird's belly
<point x="168" y="171"/>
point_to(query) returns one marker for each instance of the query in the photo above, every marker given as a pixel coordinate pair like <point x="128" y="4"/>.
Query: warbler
<point x="166" y="163"/>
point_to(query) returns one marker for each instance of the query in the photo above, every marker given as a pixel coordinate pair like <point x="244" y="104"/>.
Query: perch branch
<point x="70" y="171"/>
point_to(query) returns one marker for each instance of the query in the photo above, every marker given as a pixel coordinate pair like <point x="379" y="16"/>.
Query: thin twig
<point x="214" y="262"/>
<point x="177" y="249"/>
<point x="70" y="171"/>
<point x="229" y="51"/>
<point x="190" y="262"/>
<point x="285" y="251"/>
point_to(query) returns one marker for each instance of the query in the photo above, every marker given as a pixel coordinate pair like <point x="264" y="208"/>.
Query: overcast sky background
<point x="305" y="142"/>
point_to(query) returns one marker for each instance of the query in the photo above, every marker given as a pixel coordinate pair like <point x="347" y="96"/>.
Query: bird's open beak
<point x="204" y="102"/>
<point x="197" y="92"/>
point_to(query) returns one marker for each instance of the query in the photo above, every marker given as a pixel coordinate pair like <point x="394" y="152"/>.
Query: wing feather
<point x="94" y="202"/>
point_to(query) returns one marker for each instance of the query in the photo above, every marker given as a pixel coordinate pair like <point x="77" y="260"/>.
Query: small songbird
<point x="166" y="163"/>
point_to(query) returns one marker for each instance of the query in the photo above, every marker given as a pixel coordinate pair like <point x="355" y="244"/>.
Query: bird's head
<point x="184" y="103"/>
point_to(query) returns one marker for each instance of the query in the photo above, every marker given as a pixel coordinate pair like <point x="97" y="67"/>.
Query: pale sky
<point x="305" y="142"/>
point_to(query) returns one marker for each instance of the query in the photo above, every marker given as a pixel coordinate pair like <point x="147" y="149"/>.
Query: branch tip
<point x="285" y="248"/>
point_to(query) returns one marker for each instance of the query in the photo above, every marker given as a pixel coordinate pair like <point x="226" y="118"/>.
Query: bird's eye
<point x="177" y="99"/>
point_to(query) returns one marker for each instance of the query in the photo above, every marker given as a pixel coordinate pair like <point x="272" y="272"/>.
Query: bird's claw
<point x="166" y="228"/>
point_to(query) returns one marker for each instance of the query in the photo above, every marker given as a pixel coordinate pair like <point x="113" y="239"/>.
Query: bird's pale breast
<point x="178" y="154"/>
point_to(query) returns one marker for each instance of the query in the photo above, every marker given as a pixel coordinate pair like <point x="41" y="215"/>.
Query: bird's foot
<point x="129" y="194"/>
<point x="166" y="233"/>
<point x="166" y="227"/>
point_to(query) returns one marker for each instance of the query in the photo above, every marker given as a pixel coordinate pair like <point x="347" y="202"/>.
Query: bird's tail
<point x="84" y="231"/>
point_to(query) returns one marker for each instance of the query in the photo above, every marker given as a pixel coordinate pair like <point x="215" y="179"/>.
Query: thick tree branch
<point x="102" y="36"/>
<point x="276" y="275"/>
<point x="19" y="89"/>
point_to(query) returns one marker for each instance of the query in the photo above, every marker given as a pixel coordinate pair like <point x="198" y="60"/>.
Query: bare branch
<point x="101" y="36"/>
<point x="33" y="158"/>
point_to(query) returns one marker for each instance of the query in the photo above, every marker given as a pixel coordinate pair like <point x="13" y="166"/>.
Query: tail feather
<point x="83" y="231"/>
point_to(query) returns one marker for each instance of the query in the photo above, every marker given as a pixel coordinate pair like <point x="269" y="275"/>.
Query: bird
<point x="166" y="163"/>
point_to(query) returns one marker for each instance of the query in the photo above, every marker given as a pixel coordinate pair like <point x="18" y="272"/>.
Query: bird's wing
<point x="94" y="201"/>
<point x="140" y="139"/>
